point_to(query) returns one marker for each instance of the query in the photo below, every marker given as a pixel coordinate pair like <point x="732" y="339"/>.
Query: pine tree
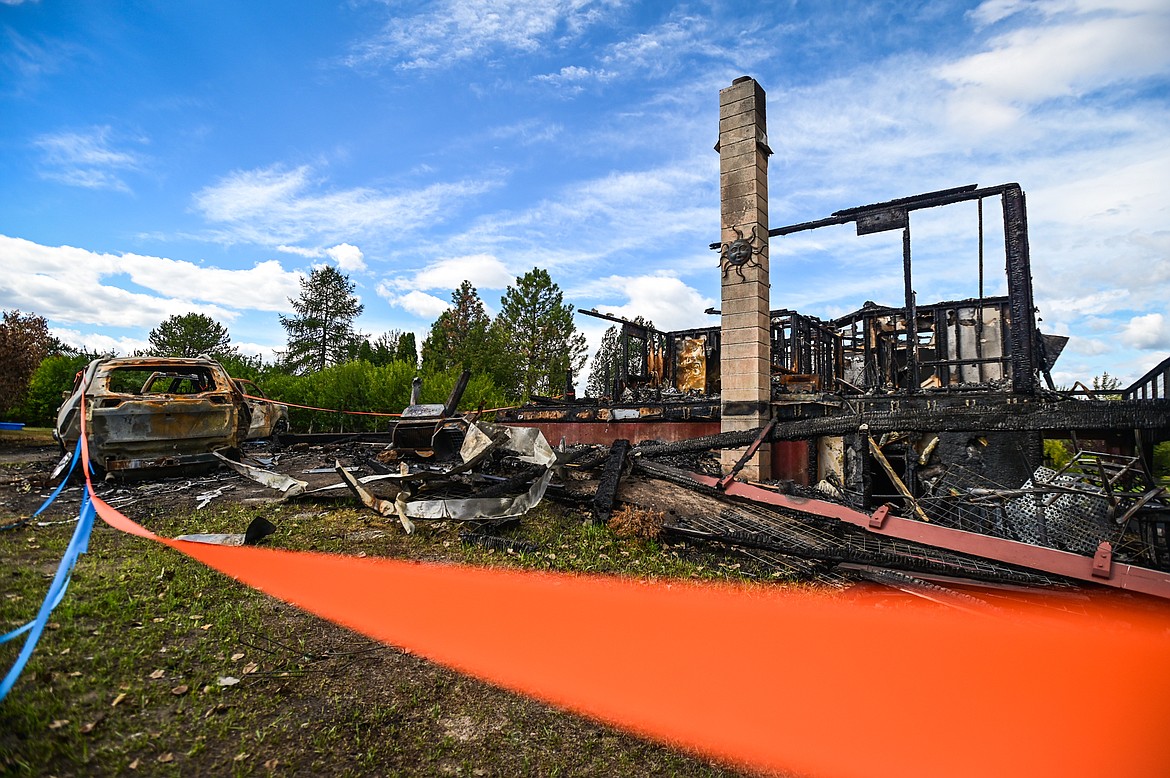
<point x="459" y="337"/>
<point x="190" y="335"/>
<point x="321" y="333"/>
<point x="386" y="348"/>
<point x="407" y="350"/>
<point x="536" y="330"/>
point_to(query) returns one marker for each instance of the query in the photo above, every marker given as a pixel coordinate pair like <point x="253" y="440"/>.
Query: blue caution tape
<point x="78" y="545"/>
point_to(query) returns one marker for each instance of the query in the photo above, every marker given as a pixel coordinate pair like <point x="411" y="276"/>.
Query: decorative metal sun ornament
<point x="742" y="252"/>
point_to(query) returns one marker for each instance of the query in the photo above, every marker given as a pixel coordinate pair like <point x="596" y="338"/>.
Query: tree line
<point x="529" y="348"/>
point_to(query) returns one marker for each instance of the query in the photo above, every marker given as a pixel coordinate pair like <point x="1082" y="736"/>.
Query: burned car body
<point x="268" y="418"/>
<point x="146" y="414"/>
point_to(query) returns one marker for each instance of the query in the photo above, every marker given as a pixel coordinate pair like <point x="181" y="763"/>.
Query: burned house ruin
<point x="906" y="405"/>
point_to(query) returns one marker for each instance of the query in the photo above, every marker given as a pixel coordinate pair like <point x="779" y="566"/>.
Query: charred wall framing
<point x="1154" y="385"/>
<point x="962" y="342"/>
<point x="806" y="355"/>
<point x="806" y="352"/>
<point x="1017" y="310"/>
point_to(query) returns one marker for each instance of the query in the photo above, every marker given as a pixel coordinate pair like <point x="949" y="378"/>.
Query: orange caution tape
<point x="771" y="679"/>
<point x="314" y="408"/>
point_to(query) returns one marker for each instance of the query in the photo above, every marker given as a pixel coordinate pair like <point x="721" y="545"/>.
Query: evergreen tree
<point x="459" y="337"/>
<point x="538" y="337"/>
<point x="321" y="333"/>
<point x="190" y="335"/>
<point x="407" y="350"/>
<point x="384" y="349"/>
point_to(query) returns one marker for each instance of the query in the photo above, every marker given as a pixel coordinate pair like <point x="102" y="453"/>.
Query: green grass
<point x="35" y="436"/>
<point x="321" y="700"/>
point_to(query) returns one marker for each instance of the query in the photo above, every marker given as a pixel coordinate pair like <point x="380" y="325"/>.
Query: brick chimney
<point x="745" y="363"/>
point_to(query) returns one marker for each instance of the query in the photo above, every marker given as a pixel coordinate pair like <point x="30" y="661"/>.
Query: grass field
<point x="154" y="664"/>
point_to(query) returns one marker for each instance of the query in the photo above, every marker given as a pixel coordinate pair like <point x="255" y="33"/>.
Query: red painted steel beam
<point x="1100" y="569"/>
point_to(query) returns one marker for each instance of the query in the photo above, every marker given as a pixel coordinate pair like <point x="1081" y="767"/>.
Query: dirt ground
<point x="128" y="679"/>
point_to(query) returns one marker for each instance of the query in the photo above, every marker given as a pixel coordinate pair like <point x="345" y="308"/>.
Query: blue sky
<point x="163" y="157"/>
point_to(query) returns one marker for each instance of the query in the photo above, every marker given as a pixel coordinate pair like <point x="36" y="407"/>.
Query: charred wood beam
<point x="624" y="322"/>
<point x="516" y="483"/>
<point x="610" y="477"/>
<point x="1017" y="415"/>
<point x="1022" y="331"/>
<point x="917" y="202"/>
<point x="704" y="443"/>
<point x="931" y="415"/>
<point x="751" y="452"/>
<point x="596" y="458"/>
<point x="914" y="203"/>
<point x="456" y="393"/>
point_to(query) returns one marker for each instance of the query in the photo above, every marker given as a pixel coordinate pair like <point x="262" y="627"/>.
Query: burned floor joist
<point x="610" y="476"/>
<point x="1100" y="568"/>
<point x="809" y="534"/>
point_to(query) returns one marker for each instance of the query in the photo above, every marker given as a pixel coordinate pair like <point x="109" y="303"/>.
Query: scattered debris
<point x="258" y="529"/>
<point x="205" y="498"/>
<point x="285" y="484"/>
<point x="497" y="543"/>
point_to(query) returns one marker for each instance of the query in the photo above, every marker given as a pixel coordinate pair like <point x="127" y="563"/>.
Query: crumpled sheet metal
<point x="290" y="486"/>
<point x="376" y="504"/>
<point x="526" y="442"/>
<point x="481" y="439"/>
<point x="258" y="529"/>
<point x="470" y="508"/>
<point x="530" y="446"/>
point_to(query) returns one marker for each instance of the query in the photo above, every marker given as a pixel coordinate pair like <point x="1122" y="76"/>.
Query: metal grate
<point x="757" y="527"/>
<point x="1095" y="498"/>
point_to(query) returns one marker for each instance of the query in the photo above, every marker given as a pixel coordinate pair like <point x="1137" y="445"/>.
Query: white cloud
<point x="348" y="258"/>
<point x="451" y="31"/>
<point x="97" y="343"/>
<point x="1148" y="332"/>
<point x="300" y="251"/>
<point x="1090" y="347"/>
<point x="527" y="132"/>
<point x="658" y="51"/>
<point x="484" y="271"/>
<point x="663" y="299"/>
<point x="993" y="11"/>
<point x="573" y="77"/>
<point x="1079" y="54"/>
<point x="86" y="159"/>
<point x="29" y="62"/>
<point x="266" y="352"/>
<point x="421" y="304"/>
<point x="68" y="284"/>
<point x="275" y="206"/>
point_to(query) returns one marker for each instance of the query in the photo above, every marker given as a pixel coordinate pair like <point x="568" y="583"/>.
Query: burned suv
<point x="155" y="413"/>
